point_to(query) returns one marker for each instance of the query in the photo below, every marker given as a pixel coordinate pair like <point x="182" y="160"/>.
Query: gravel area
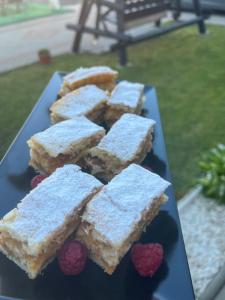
<point x="203" y="226"/>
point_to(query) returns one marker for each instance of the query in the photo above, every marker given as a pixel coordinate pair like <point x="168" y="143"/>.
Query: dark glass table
<point x="171" y="282"/>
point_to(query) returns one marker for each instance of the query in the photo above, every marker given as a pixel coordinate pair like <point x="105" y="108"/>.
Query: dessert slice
<point x="118" y="214"/>
<point x="89" y="101"/>
<point x="129" y="140"/>
<point x="126" y="97"/>
<point x="31" y="233"/>
<point x="63" y="143"/>
<point x="102" y="76"/>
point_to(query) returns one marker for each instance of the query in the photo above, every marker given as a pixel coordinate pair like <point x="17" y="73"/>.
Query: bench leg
<point x="97" y="21"/>
<point x="198" y="12"/>
<point x="85" y="10"/>
<point x="76" y="43"/>
<point x="121" y="29"/>
<point x="122" y="55"/>
<point x="158" y="23"/>
<point x="177" y="11"/>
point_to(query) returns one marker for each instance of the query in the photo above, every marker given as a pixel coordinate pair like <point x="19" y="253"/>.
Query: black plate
<point x="172" y="281"/>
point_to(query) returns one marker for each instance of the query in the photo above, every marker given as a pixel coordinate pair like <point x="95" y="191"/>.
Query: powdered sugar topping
<point x="45" y="208"/>
<point x="113" y="224"/>
<point x="84" y="73"/>
<point x="124" y="138"/>
<point x="118" y="207"/>
<point x="127" y="93"/>
<point x="135" y="188"/>
<point x="79" y="102"/>
<point x="60" y="137"/>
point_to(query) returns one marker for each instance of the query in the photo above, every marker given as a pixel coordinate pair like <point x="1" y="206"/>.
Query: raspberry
<point x="36" y="180"/>
<point x="72" y="258"/>
<point x="147" y="258"/>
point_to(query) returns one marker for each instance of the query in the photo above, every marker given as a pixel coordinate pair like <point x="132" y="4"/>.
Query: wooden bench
<point x="126" y="13"/>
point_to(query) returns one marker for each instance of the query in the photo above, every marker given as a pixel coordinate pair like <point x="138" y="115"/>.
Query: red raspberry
<point x="36" y="180"/>
<point x="72" y="258"/>
<point x="147" y="258"/>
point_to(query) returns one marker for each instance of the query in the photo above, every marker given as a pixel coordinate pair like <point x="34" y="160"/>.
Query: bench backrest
<point x="134" y="9"/>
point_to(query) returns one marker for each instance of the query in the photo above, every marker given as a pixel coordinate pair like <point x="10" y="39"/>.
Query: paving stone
<point x="203" y="227"/>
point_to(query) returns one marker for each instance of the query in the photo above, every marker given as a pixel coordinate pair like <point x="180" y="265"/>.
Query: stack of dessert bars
<point x="76" y="153"/>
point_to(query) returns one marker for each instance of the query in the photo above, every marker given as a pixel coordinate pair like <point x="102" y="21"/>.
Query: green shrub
<point x="213" y="179"/>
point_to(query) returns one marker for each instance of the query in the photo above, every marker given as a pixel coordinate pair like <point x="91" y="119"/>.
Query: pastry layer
<point x="128" y="141"/>
<point x="31" y="234"/>
<point x="118" y="214"/>
<point x="63" y="143"/>
<point x="103" y="77"/>
<point x="127" y="97"/>
<point x="89" y="101"/>
<point x="101" y="252"/>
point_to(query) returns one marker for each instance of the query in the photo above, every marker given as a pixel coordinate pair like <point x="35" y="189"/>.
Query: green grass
<point x="27" y="12"/>
<point x="188" y="72"/>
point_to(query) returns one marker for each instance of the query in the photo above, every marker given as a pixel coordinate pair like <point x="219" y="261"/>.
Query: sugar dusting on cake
<point x="125" y="136"/>
<point x="79" y="102"/>
<point x="45" y="208"/>
<point x="60" y="137"/>
<point x="116" y="210"/>
<point x="127" y="93"/>
<point x="83" y="73"/>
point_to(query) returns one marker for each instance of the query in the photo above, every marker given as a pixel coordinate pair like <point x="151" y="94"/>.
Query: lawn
<point x="27" y="12"/>
<point x="188" y="72"/>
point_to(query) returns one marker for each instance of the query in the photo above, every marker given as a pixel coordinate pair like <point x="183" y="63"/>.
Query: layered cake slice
<point x="31" y="233"/>
<point x="118" y="214"/>
<point x="89" y="101"/>
<point x="127" y="97"/>
<point x="102" y="76"/>
<point x="128" y="141"/>
<point x="63" y="143"/>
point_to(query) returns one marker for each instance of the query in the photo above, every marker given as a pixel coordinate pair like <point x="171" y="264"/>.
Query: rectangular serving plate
<point x="171" y="282"/>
